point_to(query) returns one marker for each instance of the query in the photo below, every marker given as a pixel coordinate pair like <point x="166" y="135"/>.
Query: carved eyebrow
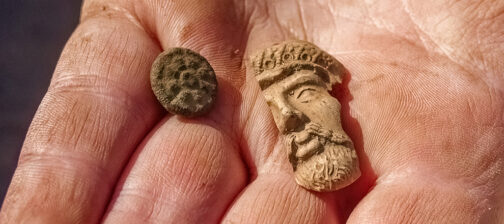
<point x="304" y="81"/>
<point x="302" y="91"/>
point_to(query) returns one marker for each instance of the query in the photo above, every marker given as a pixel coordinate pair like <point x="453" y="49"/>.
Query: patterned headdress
<point x="281" y="60"/>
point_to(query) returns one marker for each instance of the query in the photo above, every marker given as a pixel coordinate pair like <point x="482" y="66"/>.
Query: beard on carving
<point x="329" y="161"/>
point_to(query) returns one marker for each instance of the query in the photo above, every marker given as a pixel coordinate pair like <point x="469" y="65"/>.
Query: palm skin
<point x="423" y="102"/>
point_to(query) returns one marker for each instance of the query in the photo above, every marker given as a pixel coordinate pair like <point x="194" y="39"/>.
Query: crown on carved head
<point x="285" y="53"/>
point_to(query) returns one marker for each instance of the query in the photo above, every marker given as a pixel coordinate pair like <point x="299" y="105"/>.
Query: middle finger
<point x="189" y="169"/>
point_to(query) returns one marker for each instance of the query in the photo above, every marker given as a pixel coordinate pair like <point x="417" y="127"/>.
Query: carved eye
<point x="306" y="95"/>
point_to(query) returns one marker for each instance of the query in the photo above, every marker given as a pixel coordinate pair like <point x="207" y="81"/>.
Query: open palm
<point x="423" y="103"/>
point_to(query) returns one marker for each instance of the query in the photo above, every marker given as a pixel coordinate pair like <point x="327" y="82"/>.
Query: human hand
<point x="424" y="107"/>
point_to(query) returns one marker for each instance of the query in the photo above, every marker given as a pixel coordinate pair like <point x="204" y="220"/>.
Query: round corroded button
<point x="183" y="82"/>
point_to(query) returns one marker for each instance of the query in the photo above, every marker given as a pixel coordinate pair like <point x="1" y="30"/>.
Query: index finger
<point x="95" y="112"/>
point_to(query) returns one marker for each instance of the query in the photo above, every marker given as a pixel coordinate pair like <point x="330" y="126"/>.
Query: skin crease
<point x="424" y="95"/>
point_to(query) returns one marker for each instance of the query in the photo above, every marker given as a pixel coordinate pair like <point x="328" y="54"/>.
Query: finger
<point x="276" y="198"/>
<point x="189" y="169"/>
<point x="97" y="109"/>
<point x="402" y="198"/>
<point x="186" y="170"/>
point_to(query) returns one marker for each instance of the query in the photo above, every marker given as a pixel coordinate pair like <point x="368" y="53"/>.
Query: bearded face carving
<point x="295" y="77"/>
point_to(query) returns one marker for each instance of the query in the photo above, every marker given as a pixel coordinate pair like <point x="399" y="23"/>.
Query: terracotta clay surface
<point x="295" y="77"/>
<point x="183" y="82"/>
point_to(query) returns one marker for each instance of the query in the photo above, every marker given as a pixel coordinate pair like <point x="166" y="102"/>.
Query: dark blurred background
<point x="32" y="35"/>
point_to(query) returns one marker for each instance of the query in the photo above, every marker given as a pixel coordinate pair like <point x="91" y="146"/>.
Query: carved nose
<point x="290" y="120"/>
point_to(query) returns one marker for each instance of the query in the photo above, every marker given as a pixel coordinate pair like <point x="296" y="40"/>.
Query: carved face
<point x="308" y="117"/>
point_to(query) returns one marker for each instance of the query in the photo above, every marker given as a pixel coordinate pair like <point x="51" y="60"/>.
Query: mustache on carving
<point x="314" y="130"/>
<point x="318" y="130"/>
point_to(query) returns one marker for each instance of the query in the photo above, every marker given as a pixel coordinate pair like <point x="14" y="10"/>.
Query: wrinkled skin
<point x="423" y="102"/>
